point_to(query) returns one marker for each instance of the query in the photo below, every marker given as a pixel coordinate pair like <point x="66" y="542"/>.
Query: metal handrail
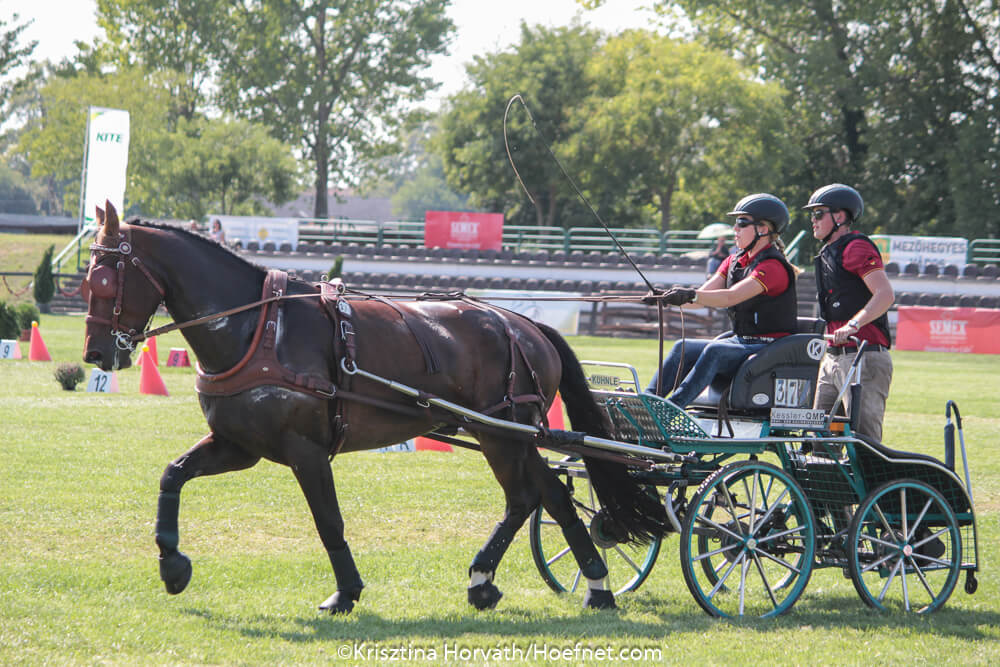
<point x="75" y="244"/>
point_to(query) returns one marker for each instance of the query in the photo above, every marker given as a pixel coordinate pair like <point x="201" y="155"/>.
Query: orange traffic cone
<point x="423" y="444"/>
<point x="37" y="351"/>
<point x="150" y="381"/>
<point x="151" y="344"/>
<point x="555" y="414"/>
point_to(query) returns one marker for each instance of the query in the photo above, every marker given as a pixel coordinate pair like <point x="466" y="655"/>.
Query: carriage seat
<point x="781" y="374"/>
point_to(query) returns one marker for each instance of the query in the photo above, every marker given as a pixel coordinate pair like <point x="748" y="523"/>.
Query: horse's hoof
<point x="341" y="602"/>
<point x="175" y="571"/>
<point x="598" y="599"/>
<point x="484" y="596"/>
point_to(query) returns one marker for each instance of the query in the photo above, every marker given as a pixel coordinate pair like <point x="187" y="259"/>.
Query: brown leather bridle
<point x="108" y="284"/>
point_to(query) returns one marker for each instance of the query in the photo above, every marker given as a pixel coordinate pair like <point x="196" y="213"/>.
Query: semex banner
<point x="105" y="162"/>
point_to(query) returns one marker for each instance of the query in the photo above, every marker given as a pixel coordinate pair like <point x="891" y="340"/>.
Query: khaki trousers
<point x="876" y="376"/>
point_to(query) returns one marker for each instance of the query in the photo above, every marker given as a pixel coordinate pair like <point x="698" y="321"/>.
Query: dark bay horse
<point x="462" y="351"/>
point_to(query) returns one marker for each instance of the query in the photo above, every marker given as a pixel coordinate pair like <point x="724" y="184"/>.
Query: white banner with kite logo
<point x="106" y="160"/>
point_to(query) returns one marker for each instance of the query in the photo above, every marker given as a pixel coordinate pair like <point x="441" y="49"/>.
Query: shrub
<point x="337" y="269"/>
<point x="45" y="284"/>
<point x="9" y="326"/>
<point x="69" y="375"/>
<point x="26" y="314"/>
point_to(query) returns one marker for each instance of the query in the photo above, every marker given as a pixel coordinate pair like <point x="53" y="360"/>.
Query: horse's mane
<point x="137" y="222"/>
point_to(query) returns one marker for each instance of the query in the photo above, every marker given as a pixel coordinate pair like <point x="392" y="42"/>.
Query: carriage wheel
<point x="748" y="541"/>
<point x="904" y="548"/>
<point x="628" y="564"/>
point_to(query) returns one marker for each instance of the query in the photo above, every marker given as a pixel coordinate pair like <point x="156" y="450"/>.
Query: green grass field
<point x="78" y="573"/>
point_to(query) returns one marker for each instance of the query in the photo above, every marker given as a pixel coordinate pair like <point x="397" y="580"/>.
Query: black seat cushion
<point x="793" y="359"/>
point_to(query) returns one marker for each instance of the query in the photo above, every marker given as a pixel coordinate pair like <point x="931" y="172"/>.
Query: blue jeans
<point x="703" y="360"/>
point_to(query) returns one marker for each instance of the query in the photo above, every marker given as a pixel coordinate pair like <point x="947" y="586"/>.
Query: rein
<point x="174" y="326"/>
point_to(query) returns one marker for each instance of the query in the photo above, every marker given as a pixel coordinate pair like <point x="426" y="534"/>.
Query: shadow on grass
<point x="830" y="612"/>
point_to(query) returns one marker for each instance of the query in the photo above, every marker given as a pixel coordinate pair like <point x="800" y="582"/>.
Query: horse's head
<point x="121" y="293"/>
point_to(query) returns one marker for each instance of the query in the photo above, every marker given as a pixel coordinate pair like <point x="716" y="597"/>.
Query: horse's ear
<point x="100" y="216"/>
<point x="111" y="221"/>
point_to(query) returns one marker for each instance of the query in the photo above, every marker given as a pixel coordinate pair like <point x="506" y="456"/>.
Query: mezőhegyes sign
<point x="922" y="250"/>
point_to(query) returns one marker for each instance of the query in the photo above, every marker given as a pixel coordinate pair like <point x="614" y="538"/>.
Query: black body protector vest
<point x="842" y="293"/>
<point x="764" y="314"/>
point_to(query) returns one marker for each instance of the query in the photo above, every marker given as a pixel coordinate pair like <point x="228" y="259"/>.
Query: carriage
<point x="760" y="488"/>
<point x="763" y="490"/>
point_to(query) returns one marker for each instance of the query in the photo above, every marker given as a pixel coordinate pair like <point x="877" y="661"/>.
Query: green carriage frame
<point x="846" y="501"/>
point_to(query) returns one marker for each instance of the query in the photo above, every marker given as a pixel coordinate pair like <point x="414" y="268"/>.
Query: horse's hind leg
<point x="210" y="456"/>
<point x="559" y="505"/>
<point x="508" y="461"/>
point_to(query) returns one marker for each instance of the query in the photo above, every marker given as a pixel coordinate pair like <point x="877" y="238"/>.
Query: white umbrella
<point x="715" y="230"/>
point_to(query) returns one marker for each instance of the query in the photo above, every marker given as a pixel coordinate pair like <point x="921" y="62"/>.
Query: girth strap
<point x="260" y="365"/>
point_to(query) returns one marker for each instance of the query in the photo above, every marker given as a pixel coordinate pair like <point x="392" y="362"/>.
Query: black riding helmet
<point x="762" y="206"/>
<point x="838" y="197"/>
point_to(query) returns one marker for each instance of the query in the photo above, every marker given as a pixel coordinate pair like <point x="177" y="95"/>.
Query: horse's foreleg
<point x="559" y="505"/>
<point x="210" y="456"/>
<point x="316" y="480"/>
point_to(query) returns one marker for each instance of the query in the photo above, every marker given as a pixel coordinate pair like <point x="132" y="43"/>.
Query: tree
<point x="679" y="129"/>
<point x="183" y="169"/>
<point x="226" y="167"/>
<point x="898" y="97"/>
<point x="44" y="284"/>
<point x="12" y="54"/>
<point x="174" y="35"/>
<point x="412" y="176"/>
<point x="331" y="76"/>
<point x="548" y="69"/>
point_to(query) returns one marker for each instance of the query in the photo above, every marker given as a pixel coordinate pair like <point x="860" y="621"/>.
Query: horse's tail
<point x="632" y="506"/>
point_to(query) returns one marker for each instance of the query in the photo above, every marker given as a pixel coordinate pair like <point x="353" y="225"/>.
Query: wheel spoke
<point x="557" y="556"/>
<point x="881" y="516"/>
<point x="753" y="503"/>
<point x="621" y="552"/>
<point x="716" y="552"/>
<point x="763" y="578"/>
<point x="732" y="509"/>
<point x="878" y="540"/>
<point x="902" y="508"/>
<point x="717" y="526"/>
<point x="871" y="566"/>
<point x="576" y="581"/>
<point x="923" y="580"/>
<point x="743" y="582"/>
<point x="548" y="522"/>
<point x="774" y="536"/>
<point x="781" y="562"/>
<point x="722" y="579"/>
<point x="920" y="517"/>
<point x="906" y="591"/>
<point x="767" y="515"/>
<point x="888" y="582"/>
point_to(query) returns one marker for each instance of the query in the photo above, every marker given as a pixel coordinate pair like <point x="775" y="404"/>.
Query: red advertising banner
<point x="948" y="329"/>
<point x="455" y="229"/>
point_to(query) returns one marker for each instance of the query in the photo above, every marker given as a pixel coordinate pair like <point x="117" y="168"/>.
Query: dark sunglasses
<point x="744" y="222"/>
<point x="817" y="214"/>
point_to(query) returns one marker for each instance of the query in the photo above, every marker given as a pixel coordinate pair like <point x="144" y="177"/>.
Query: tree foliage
<point x="12" y="52"/>
<point x="897" y="97"/>
<point x="649" y="126"/>
<point x="331" y="76"/>
<point x="548" y="69"/>
<point x="187" y="168"/>
<point x="678" y="128"/>
<point x="174" y="35"/>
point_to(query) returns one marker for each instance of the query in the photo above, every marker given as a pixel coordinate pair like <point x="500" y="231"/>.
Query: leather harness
<point x="260" y="365"/>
